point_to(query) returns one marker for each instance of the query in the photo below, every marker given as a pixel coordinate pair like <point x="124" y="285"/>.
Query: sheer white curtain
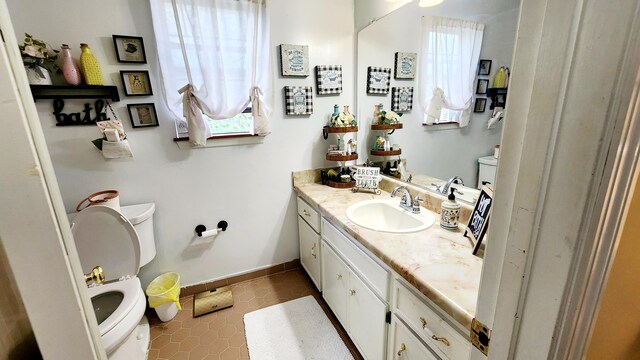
<point x="214" y="60"/>
<point x="449" y="55"/>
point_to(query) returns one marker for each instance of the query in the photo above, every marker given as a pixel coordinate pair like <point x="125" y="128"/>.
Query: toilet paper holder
<point x="222" y="226"/>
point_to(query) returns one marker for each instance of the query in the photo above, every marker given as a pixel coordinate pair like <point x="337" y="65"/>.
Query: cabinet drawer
<point x="429" y="325"/>
<point x="310" y="251"/>
<point x="309" y="214"/>
<point x="406" y="346"/>
<point x="372" y="272"/>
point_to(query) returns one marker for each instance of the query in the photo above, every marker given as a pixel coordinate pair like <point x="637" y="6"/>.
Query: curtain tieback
<point x="256" y="92"/>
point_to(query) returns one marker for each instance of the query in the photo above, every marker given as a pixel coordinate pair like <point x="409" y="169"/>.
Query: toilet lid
<point x="104" y="237"/>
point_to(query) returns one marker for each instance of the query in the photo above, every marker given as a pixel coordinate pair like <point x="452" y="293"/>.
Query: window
<point x="220" y="49"/>
<point x="450" y="50"/>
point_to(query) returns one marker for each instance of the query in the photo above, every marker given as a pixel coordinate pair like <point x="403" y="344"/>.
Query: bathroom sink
<point x="387" y="216"/>
<point x="463" y="193"/>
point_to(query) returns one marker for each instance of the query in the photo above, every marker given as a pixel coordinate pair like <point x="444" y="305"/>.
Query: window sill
<point x="221" y="141"/>
<point x="442" y="126"/>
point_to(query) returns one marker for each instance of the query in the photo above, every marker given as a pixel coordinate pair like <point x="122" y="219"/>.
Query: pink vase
<point x="70" y="70"/>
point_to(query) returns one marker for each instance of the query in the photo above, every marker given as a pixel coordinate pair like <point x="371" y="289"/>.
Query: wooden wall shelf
<point x="342" y="157"/>
<point x="386" y="127"/>
<point x="75" y="92"/>
<point x="346" y="129"/>
<point x="386" y="153"/>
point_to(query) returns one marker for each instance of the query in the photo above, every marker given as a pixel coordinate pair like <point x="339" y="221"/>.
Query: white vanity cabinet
<point x="444" y="340"/>
<point x="355" y="303"/>
<point x="309" y="235"/>
<point x="403" y="344"/>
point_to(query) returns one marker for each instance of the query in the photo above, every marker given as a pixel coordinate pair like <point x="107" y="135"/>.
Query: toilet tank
<point x="141" y="216"/>
<point x="487" y="170"/>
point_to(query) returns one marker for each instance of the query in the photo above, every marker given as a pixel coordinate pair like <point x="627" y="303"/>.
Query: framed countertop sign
<point x="294" y="60"/>
<point x="477" y="226"/>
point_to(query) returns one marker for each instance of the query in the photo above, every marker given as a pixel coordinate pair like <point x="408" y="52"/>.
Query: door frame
<point x="534" y="254"/>
<point x="34" y="229"/>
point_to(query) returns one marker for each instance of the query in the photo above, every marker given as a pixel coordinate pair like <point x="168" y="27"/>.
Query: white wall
<point x="249" y="186"/>
<point x="431" y="150"/>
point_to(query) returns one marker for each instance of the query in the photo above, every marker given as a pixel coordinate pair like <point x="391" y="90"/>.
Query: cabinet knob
<point x="403" y="348"/>
<point x="305" y="212"/>
<point x="352" y="292"/>
<point x="441" y="339"/>
<point x="423" y="321"/>
<point x="339" y="277"/>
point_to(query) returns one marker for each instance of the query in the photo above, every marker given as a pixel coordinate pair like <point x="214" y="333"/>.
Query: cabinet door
<point x="367" y="325"/>
<point x="403" y="345"/>
<point x="334" y="282"/>
<point x="310" y="251"/>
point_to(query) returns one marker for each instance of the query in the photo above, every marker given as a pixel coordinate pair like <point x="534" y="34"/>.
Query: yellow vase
<point x="90" y="67"/>
<point x="499" y="80"/>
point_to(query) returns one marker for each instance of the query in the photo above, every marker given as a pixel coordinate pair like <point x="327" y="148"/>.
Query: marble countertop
<point x="437" y="262"/>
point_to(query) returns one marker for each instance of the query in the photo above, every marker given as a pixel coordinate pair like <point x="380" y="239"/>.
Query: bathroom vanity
<point x="412" y="294"/>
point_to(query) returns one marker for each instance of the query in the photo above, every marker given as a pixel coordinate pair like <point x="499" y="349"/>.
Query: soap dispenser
<point x="450" y="212"/>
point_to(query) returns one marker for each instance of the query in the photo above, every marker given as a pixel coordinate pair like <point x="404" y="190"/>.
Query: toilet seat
<point x="117" y="326"/>
<point x="104" y="237"/>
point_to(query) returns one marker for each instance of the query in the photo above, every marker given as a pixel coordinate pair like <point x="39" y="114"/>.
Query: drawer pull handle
<point x="305" y="212"/>
<point x="339" y="277"/>
<point x="352" y="292"/>
<point x="423" y="322"/>
<point x="403" y="348"/>
<point x="314" y="255"/>
<point x="441" y="339"/>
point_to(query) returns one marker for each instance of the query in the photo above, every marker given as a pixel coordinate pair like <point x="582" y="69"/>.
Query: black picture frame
<point x="484" y="67"/>
<point x="480" y="105"/>
<point x="129" y="49"/>
<point x="482" y="87"/>
<point x="378" y="80"/>
<point x="329" y="79"/>
<point x="479" y="220"/>
<point x="130" y="86"/>
<point x="139" y="118"/>
<point x="298" y="100"/>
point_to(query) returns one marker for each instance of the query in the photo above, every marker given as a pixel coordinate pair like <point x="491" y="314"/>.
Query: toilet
<point x="120" y="242"/>
<point x="487" y="170"/>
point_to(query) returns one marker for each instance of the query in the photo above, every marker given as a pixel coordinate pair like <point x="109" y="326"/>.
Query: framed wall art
<point x="143" y="115"/>
<point x="405" y="65"/>
<point x="129" y="49"/>
<point x="483" y="86"/>
<point x="378" y="80"/>
<point x="481" y="104"/>
<point x="329" y="79"/>
<point x="298" y="100"/>
<point x="136" y="83"/>
<point x="484" y="67"/>
<point x="401" y="99"/>
<point x="294" y="60"/>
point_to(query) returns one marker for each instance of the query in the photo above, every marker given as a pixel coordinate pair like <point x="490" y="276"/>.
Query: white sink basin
<point x="386" y="215"/>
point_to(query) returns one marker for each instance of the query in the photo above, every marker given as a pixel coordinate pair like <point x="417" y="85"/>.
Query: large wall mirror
<point x="433" y="154"/>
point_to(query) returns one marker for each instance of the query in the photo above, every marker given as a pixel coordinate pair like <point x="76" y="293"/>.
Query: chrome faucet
<point x="455" y="179"/>
<point x="406" y="202"/>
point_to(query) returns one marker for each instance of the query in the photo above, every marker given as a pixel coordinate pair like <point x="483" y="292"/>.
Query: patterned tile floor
<point x="220" y="335"/>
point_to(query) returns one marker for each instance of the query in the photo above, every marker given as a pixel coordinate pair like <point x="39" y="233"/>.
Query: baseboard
<point x="194" y="289"/>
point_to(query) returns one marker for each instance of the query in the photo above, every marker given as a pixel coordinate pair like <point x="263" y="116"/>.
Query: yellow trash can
<point x="164" y="295"/>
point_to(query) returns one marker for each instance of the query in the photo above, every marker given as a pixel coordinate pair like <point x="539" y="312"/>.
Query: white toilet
<point x="119" y="242"/>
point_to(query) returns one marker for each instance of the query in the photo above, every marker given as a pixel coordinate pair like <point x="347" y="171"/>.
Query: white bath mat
<point x="297" y="329"/>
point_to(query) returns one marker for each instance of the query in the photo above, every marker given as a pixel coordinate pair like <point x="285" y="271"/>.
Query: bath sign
<point x="479" y="220"/>
<point x="367" y="177"/>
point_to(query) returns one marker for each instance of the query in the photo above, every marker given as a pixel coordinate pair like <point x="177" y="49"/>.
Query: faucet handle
<point x="415" y="205"/>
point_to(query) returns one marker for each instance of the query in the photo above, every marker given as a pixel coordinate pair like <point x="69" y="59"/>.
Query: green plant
<point x="36" y="48"/>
